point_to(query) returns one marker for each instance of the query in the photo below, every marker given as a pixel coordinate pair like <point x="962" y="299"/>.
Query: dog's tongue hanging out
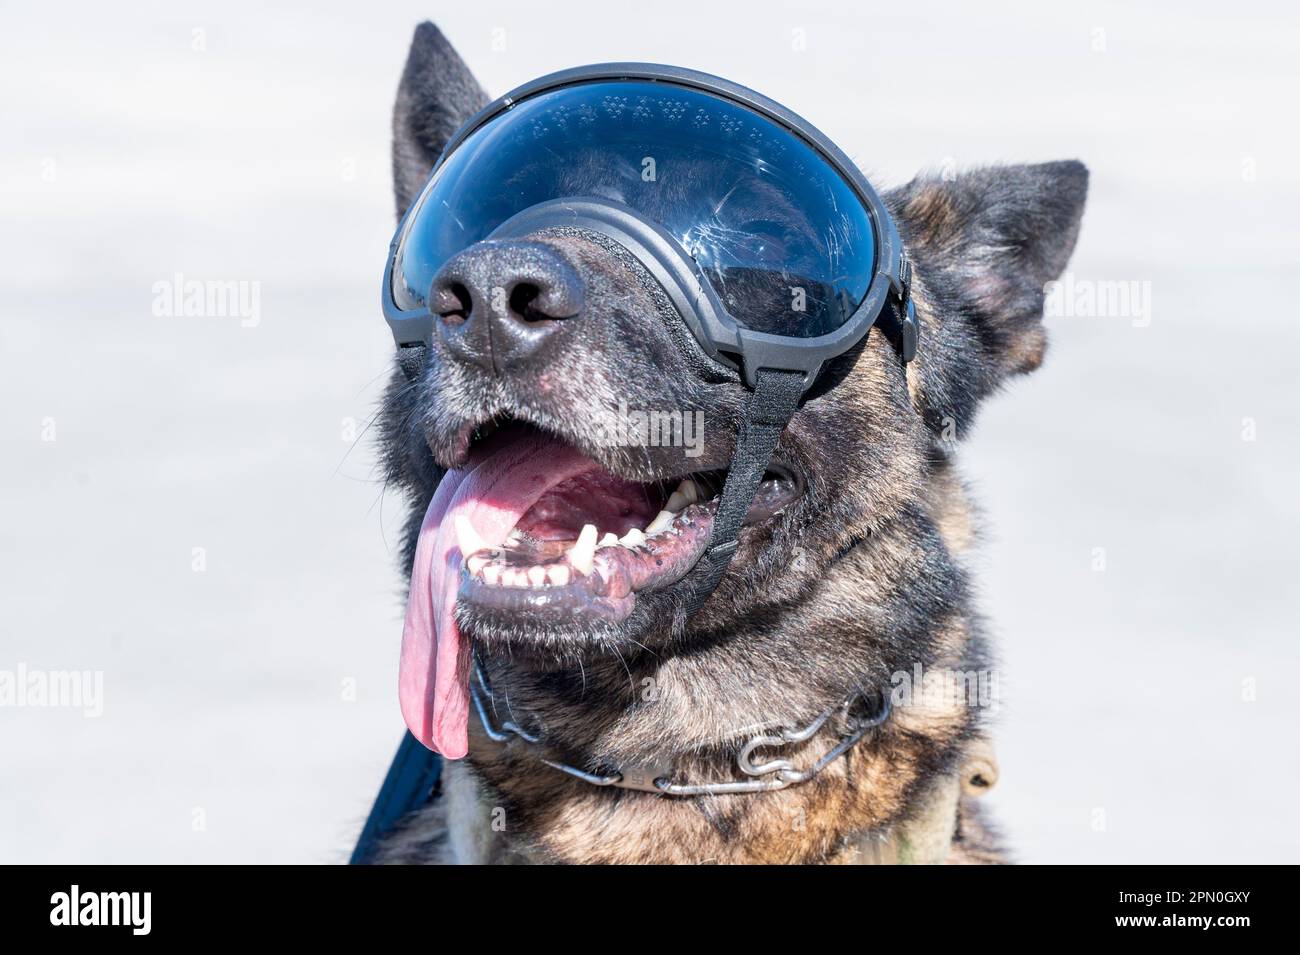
<point x="492" y="492"/>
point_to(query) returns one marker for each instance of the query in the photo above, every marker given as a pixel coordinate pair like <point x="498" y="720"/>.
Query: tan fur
<point x="1026" y="351"/>
<point x="465" y="827"/>
<point x="935" y="217"/>
<point x="951" y="511"/>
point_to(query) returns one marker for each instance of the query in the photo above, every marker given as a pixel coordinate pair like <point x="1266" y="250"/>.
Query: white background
<point x="127" y="156"/>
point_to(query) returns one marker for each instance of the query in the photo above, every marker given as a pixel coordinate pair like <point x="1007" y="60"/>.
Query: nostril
<point x="453" y="303"/>
<point x="523" y="302"/>
<point x="554" y="295"/>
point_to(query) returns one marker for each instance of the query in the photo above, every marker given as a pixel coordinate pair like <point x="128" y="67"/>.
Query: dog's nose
<point x="501" y="302"/>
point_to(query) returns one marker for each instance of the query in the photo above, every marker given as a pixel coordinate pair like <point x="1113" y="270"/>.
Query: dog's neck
<point x="872" y="805"/>
<point x="690" y="712"/>
<point x="767" y="751"/>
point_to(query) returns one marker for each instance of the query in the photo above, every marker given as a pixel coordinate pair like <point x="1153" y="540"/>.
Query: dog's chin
<point x="544" y="641"/>
<point x="598" y="561"/>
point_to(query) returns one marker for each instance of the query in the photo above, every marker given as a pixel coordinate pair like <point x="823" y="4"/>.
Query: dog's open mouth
<point x="534" y="533"/>
<point x="586" y="547"/>
<point x="592" y="541"/>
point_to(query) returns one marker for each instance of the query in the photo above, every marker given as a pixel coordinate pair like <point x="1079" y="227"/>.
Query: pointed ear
<point x="984" y="243"/>
<point x="437" y="94"/>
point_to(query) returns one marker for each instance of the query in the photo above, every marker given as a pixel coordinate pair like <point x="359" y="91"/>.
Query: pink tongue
<point x="493" y="493"/>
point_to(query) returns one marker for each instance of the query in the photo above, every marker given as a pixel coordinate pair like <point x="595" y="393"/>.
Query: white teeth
<point x="660" y="523"/>
<point x="476" y="564"/>
<point x="466" y="537"/>
<point x="496" y="575"/>
<point x="608" y="540"/>
<point x="633" y="538"/>
<point x="583" y="551"/>
<point x="687" y="493"/>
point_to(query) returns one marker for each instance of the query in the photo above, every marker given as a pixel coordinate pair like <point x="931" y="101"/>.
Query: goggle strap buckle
<point x="911" y="331"/>
<point x="911" y="325"/>
<point x="899" y="323"/>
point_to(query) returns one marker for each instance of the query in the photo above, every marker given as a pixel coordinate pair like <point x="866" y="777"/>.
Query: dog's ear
<point x="985" y="243"/>
<point x="437" y="94"/>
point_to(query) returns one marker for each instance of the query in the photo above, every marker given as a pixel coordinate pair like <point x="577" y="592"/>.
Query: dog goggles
<point x="774" y="249"/>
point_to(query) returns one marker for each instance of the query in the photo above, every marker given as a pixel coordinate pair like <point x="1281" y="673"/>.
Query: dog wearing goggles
<point x="675" y="407"/>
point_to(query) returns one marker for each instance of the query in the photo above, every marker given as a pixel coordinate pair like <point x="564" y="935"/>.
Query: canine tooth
<point x="608" y="540"/>
<point x="583" y="551"/>
<point x="633" y="538"/>
<point x="492" y="575"/>
<point x="558" y="574"/>
<point x="687" y="493"/>
<point x="466" y="537"/>
<point x="537" y="576"/>
<point x="660" y="523"/>
<point x="476" y="564"/>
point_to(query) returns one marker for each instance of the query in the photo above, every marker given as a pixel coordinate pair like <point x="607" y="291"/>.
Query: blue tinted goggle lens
<point x="784" y="240"/>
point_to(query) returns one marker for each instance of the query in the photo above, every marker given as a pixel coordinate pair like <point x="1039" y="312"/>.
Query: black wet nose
<point x="502" y="302"/>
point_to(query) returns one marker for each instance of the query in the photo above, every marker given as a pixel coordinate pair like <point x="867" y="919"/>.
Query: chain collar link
<point x="768" y="776"/>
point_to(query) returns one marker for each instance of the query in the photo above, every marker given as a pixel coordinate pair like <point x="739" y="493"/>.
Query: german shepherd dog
<point x="848" y="578"/>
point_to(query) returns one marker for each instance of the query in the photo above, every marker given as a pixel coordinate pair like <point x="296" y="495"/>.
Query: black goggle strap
<point x="773" y="404"/>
